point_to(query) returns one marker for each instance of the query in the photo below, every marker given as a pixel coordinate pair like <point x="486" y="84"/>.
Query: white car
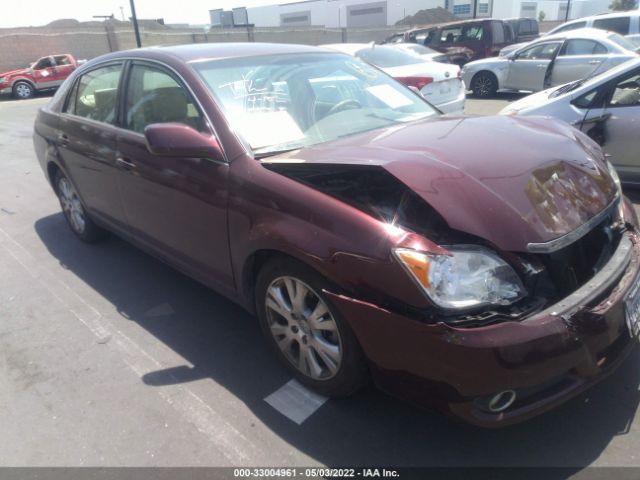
<point x="439" y="83"/>
<point x="606" y="107"/>
<point x="624" y="23"/>
<point x="548" y="61"/>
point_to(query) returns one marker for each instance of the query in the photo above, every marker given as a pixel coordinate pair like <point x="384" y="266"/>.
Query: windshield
<point x="285" y="102"/>
<point x="387" y="57"/>
<point x="623" y="42"/>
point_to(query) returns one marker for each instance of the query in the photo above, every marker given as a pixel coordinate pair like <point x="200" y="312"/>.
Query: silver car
<point x="548" y="61"/>
<point x="606" y="107"/>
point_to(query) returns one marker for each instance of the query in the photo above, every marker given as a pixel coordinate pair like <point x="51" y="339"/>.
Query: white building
<point x="377" y="13"/>
<point x="553" y="9"/>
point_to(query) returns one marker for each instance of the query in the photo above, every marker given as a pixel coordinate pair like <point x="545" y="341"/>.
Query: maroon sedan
<point x="493" y="277"/>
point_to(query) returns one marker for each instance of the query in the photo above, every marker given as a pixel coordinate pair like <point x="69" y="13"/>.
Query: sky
<point x="41" y="12"/>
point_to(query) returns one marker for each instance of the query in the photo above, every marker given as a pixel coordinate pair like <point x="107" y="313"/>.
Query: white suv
<point x="624" y="23"/>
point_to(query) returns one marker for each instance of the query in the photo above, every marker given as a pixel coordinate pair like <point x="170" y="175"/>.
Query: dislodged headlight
<point x="469" y="277"/>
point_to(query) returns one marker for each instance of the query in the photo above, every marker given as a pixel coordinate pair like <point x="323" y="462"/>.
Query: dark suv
<point x="524" y="29"/>
<point x="461" y="41"/>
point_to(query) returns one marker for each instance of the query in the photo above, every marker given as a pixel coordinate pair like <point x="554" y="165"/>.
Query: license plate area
<point x="632" y="308"/>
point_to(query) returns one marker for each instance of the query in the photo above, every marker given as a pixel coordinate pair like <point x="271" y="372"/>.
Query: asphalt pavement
<point x="108" y="357"/>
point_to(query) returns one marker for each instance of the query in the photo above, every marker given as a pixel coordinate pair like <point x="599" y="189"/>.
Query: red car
<point x="373" y="237"/>
<point x="47" y="73"/>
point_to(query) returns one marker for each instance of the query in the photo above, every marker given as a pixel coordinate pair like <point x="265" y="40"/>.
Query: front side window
<point x="95" y="94"/>
<point x="626" y="92"/>
<point x="542" y="51"/>
<point x="581" y="46"/>
<point x="285" y="102"/>
<point x="154" y="96"/>
<point x="46" y="62"/>
<point x="617" y="24"/>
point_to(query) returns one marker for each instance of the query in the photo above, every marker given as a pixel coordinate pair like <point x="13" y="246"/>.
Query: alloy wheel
<point x="303" y="328"/>
<point x="71" y="205"/>
<point x="482" y="86"/>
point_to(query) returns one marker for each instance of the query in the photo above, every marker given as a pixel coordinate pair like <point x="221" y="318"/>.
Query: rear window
<point x="569" y="26"/>
<point x="386" y="57"/>
<point x="617" y="24"/>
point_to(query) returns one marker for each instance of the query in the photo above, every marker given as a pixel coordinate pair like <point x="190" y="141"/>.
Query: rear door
<point x="64" y="67"/>
<point x="578" y="58"/>
<point x="87" y="141"/>
<point x="528" y="69"/>
<point x="175" y="206"/>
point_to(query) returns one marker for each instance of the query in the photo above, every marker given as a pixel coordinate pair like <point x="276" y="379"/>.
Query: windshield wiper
<point x="567" y="88"/>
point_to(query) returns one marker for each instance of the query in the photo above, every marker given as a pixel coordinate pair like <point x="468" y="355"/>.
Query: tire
<point x="332" y="363"/>
<point x="484" y="85"/>
<point x="23" y="90"/>
<point x="81" y="225"/>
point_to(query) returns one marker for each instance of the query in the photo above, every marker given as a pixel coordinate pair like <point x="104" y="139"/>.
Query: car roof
<point x="212" y="51"/>
<point x="350" y="48"/>
<point x="449" y="24"/>
<point x="579" y="33"/>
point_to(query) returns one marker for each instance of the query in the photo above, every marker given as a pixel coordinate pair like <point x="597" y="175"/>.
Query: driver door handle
<point x="125" y="163"/>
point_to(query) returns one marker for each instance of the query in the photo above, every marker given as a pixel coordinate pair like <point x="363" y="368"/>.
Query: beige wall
<point x="20" y="46"/>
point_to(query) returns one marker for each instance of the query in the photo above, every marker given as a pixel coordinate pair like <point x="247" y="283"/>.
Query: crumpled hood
<point x="509" y="180"/>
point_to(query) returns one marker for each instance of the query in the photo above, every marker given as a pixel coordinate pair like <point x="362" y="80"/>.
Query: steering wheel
<point x="344" y="104"/>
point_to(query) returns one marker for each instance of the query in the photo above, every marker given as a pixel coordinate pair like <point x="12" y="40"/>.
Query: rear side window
<point x="617" y="24"/>
<point x="498" y="32"/>
<point x="154" y="96"/>
<point x="582" y="47"/>
<point x="464" y="33"/>
<point x="95" y="94"/>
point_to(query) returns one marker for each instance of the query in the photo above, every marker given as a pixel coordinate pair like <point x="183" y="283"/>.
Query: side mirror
<point x="179" y="140"/>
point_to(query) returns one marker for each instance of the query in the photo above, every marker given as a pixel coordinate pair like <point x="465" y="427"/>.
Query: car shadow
<point x="224" y="344"/>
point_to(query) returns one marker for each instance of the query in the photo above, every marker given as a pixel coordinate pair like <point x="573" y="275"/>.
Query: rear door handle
<point x="542" y="65"/>
<point x="64" y="140"/>
<point x="125" y="163"/>
<point x="594" y="62"/>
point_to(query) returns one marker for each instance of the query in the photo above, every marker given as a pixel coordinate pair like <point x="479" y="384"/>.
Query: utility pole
<point x="475" y="8"/>
<point x="134" y="19"/>
<point x="566" y="15"/>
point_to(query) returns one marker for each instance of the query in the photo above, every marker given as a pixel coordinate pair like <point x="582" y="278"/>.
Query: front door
<point x="528" y="69"/>
<point x="176" y="206"/>
<point x="45" y="73"/>
<point x="620" y="126"/>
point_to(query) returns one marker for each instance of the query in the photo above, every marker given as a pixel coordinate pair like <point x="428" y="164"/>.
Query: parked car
<point x="606" y="107"/>
<point x="524" y="29"/>
<point x="426" y="53"/>
<point x="461" y="41"/>
<point x="551" y="60"/>
<point x="46" y="73"/>
<point x="624" y="23"/>
<point x="371" y="235"/>
<point x="439" y="83"/>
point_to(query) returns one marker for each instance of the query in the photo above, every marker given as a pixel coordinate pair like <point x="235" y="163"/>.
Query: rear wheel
<point x="304" y="330"/>
<point x="84" y="228"/>
<point x="23" y="90"/>
<point x="484" y="85"/>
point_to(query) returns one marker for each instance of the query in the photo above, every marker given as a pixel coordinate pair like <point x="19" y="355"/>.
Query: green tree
<point x="622" y="5"/>
<point x="541" y="16"/>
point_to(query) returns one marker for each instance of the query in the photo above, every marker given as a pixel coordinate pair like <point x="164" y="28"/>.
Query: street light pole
<point x="134" y="19"/>
<point x="566" y="15"/>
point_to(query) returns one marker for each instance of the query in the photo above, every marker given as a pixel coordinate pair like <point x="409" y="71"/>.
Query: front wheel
<point x="23" y="90"/>
<point x="84" y="228"/>
<point x="484" y="85"/>
<point x="305" y="332"/>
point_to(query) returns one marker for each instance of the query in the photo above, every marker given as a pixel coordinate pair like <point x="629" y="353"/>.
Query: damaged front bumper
<point x="545" y="359"/>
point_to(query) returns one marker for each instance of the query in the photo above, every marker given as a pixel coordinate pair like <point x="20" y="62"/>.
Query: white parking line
<point x="295" y="401"/>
